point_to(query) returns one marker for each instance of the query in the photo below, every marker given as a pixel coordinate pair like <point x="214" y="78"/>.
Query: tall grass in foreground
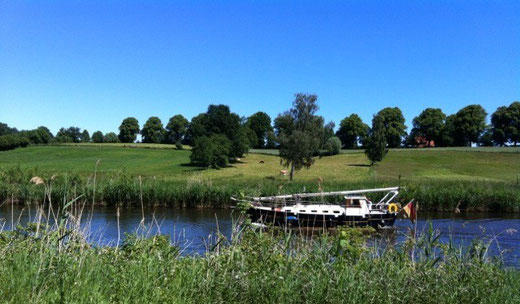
<point x="51" y="263"/>
<point x="121" y="189"/>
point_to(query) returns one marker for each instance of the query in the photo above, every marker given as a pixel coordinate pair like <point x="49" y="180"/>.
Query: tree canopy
<point x="260" y="124"/>
<point x="85" y="136"/>
<point x="352" y="131"/>
<point x="469" y="123"/>
<point x="176" y="129"/>
<point x="212" y="151"/>
<point x="128" y="130"/>
<point x="430" y="124"/>
<point x="71" y="134"/>
<point x="375" y="148"/>
<point x="153" y="131"/>
<point x="299" y="133"/>
<point x="394" y="127"/>
<point x="98" y="137"/>
<point x="111" y="137"/>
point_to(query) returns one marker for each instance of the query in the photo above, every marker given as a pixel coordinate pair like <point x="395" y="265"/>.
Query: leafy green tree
<point x="260" y="124"/>
<point x="85" y="136"/>
<point x="176" y="128"/>
<point x="469" y="123"/>
<point x="71" y="134"/>
<point x="44" y="134"/>
<point x="12" y="141"/>
<point x="500" y="122"/>
<point x="430" y="124"/>
<point x="128" y="130"/>
<point x="333" y="145"/>
<point x="153" y="131"/>
<point x="394" y="127"/>
<point x="196" y="128"/>
<point x="111" y="137"/>
<point x="211" y="151"/>
<point x="352" y="131"/>
<point x="486" y="139"/>
<point x="271" y="140"/>
<point x="251" y="136"/>
<point x="375" y="148"/>
<point x="98" y="137"/>
<point x="513" y="131"/>
<point x="299" y="133"/>
<point x="5" y="129"/>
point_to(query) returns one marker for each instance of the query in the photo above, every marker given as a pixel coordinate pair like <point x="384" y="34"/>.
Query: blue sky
<point x="92" y="63"/>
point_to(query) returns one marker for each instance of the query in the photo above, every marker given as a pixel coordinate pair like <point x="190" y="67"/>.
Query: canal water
<point x="194" y="229"/>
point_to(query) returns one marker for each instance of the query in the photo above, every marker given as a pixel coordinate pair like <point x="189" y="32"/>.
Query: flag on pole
<point x="410" y="211"/>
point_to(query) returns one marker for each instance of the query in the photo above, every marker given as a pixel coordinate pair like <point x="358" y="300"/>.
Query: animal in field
<point x="283" y="172"/>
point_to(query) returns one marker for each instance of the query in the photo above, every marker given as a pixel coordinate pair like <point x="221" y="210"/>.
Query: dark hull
<point x="271" y="217"/>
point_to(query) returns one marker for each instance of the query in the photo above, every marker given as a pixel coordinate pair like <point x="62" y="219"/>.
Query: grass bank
<point x="39" y="264"/>
<point x="438" y="179"/>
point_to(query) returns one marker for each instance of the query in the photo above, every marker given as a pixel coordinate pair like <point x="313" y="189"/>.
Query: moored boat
<point x="326" y="209"/>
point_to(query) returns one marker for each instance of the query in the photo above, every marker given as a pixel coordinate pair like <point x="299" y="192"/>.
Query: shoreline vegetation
<point x="51" y="261"/>
<point x="438" y="180"/>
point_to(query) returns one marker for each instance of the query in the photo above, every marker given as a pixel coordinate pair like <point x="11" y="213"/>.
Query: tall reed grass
<point x="121" y="189"/>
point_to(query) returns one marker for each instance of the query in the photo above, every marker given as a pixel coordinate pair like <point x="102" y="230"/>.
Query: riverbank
<point x="440" y="180"/>
<point x="58" y="265"/>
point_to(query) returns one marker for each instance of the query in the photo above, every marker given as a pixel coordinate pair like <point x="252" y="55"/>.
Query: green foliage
<point x="196" y="128"/>
<point x="12" y="141"/>
<point x="5" y="129"/>
<point x="260" y="124"/>
<point x="98" y="137"/>
<point x="111" y="137"/>
<point x="153" y="131"/>
<point x="176" y="129"/>
<point x="333" y="145"/>
<point x="486" y="139"/>
<point x="69" y="135"/>
<point x="376" y="143"/>
<point x="85" y="136"/>
<point x="300" y="133"/>
<point x="179" y="146"/>
<point x="352" y="131"/>
<point x="394" y="127"/>
<point x="250" y="267"/>
<point x="429" y="124"/>
<point x="211" y="151"/>
<point x="506" y="124"/>
<point x="469" y="123"/>
<point x="128" y="130"/>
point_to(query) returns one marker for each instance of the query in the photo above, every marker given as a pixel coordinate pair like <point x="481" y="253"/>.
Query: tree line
<point x="218" y="126"/>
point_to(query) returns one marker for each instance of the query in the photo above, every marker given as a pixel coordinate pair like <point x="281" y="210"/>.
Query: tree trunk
<point x="292" y="172"/>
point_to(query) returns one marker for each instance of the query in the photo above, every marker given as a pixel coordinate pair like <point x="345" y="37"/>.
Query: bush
<point x="211" y="151"/>
<point x="12" y="141"/>
<point x="178" y="145"/>
<point x="333" y="145"/>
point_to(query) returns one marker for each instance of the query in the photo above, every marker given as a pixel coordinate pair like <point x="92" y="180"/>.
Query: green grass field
<point x="169" y="164"/>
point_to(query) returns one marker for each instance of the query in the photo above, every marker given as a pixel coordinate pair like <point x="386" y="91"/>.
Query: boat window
<point x="325" y="211"/>
<point x="355" y="202"/>
<point x="336" y="211"/>
<point x="314" y="210"/>
<point x="302" y="210"/>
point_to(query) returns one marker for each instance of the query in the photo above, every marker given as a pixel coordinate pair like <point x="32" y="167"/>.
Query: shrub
<point x="178" y="145"/>
<point x="211" y="151"/>
<point x="12" y="141"/>
<point x="333" y="145"/>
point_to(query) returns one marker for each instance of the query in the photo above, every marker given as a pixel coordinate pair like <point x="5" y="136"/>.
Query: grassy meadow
<point x="440" y="177"/>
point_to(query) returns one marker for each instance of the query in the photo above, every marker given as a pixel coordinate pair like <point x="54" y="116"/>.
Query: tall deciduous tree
<point x="5" y="129"/>
<point x="111" y="137"/>
<point x="98" y="137"/>
<point x="469" y="123"/>
<point x="514" y="127"/>
<point x="260" y="124"/>
<point x="375" y="148"/>
<point x="85" y="136"/>
<point x="71" y="134"/>
<point x="128" y="130"/>
<point x="299" y="133"/>
<point x="500" y="122"/>
<point x="352" y="131"/>
<point x="176" y="128"/>
<point x="394" y="127"/>
<point x="153" y="131"/>
<point x="429" y="124"/>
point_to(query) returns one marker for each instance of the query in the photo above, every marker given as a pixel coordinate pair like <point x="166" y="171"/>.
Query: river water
<point x="193" y="229"/>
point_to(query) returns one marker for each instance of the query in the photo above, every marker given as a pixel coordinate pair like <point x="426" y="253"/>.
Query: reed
<point x="123" y="189"/>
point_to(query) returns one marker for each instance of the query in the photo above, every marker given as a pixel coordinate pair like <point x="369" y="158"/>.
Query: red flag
<point x="410" y="211"/>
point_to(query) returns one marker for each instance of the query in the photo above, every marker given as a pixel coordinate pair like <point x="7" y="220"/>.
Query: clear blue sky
<point x="92" y="63"/>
